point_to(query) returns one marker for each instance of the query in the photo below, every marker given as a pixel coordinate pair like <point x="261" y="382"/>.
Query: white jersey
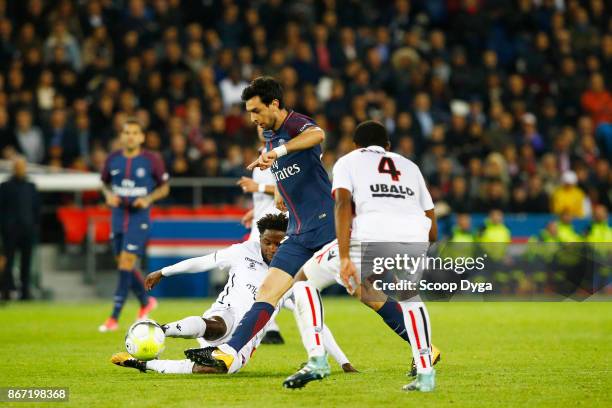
<point x="262" y="203"/>
<point x="389" y="194"/>
<point x="246" y="268"/>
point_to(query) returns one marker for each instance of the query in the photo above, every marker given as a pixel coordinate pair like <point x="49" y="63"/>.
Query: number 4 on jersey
<point x="386" y="165"/>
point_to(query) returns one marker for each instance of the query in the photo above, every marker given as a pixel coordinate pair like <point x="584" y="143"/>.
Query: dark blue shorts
<point x="134" y="241"/>
<point x="297" y="249"/>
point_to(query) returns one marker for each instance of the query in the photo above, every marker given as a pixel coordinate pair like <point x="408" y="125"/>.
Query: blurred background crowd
<point x="504" y="104"/>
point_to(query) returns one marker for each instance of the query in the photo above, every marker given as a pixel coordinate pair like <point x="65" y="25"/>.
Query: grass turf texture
<point x="494" y="354"/>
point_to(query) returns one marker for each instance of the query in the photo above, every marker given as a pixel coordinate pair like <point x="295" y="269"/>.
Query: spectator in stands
<point x="231" y="88"/>
<point x="459" y="199"/>
<point x="538" y="89"/>
<point x="29" y="138"/>
<point x="7" y="138"/>
<point x="597" y="100"/>
<point x="494" y="197"/>
<point x="19" y="213"/>
<point x="61" y="38"/>
<point x="62" y="140"/>
<point x="537" y="200"/>
<point x="530" y="134"/>
<point x="518" y="201"/>
<point x="568" y="198"/>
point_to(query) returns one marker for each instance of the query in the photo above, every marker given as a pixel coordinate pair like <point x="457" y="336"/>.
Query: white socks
<point x="188" y="328"/>
<point x="329" y="342"/>
<point x="171" y="366"/>
<point x="309" y="317"/>
<point x="416" y="319"/>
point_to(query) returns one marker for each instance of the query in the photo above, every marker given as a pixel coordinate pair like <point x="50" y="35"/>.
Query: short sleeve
<point x="297" y="124"/>
<point x="106" y="176"/>
<point x="342" y="176"/>
<point x="424" y="196"/>
<point x="159" y="170"/>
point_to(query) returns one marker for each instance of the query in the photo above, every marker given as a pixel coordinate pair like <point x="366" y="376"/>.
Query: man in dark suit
<point x="19" y="210"/>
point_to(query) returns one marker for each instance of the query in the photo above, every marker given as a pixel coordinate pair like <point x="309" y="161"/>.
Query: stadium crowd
<point x="504" y="104"/>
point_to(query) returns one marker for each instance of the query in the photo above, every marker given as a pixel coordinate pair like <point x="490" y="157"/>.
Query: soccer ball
<point x="145" y="340"/>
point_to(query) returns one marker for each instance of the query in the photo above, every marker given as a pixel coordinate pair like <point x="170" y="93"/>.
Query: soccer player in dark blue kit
<point x="293" y="152"/>
<point x="133" y="179"/>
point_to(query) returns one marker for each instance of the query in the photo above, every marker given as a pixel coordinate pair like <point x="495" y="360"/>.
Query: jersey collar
<point x="375" y="147"/>
<point x="283" y="124"/>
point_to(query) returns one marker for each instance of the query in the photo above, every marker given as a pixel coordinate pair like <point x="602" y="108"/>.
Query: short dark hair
<point x="133" y="121"/>
<point x="371" y="133"/>
<point x="267" y="88"/>
<point x="277" y="222"/>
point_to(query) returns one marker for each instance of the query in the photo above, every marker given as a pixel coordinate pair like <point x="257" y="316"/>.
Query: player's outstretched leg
<point x="161" y="366"/>
<point x="419" y="331"/>
<point x="123" y="286"/>
<point x="309" y="317"/>
<point x="190" y="327"/>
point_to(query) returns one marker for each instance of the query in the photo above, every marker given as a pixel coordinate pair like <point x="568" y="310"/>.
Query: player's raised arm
<point x="310" y="137"/>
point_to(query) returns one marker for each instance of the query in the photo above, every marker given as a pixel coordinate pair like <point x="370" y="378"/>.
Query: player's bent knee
<point x="215" y="328"/>
<point x="300" y="276"/>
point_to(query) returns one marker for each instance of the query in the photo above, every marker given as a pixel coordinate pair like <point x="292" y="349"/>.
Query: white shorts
<point x="323" y="269"/>
<point x="230" y="315"/>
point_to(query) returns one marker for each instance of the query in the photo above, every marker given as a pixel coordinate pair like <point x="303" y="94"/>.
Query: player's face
<point x="270" y="241"/>
<point x="264" y="116"/>
<point x="132" y="136"/>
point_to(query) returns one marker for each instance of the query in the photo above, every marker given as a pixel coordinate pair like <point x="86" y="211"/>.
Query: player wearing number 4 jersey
<point x="391" y="204"/>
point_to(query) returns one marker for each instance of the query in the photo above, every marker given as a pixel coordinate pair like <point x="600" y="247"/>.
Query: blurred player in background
<point x="133" y="180"/>
<point x="293" y="152"/>
<point x="247" y="264"/>
<point x="263" y="187"/>
<point x="365" y="213"/>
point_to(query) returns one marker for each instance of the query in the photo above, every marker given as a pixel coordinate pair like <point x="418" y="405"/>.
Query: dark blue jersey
<point x="130" y="178"/>
<point x="301" y="178"/>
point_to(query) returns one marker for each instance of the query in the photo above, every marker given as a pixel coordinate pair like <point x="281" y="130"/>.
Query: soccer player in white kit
<point x="391" y="203"/>
<point x="247" y="263"/>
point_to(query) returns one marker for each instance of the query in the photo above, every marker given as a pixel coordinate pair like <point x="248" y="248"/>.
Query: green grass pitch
<point x="493" y="354"/>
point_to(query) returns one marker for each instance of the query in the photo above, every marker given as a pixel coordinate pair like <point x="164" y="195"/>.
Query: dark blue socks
<point x="253" y="321"/>
<point x="125" y="280"/>
<point x="137" y="287"/>
<point x="391" y="312"/>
